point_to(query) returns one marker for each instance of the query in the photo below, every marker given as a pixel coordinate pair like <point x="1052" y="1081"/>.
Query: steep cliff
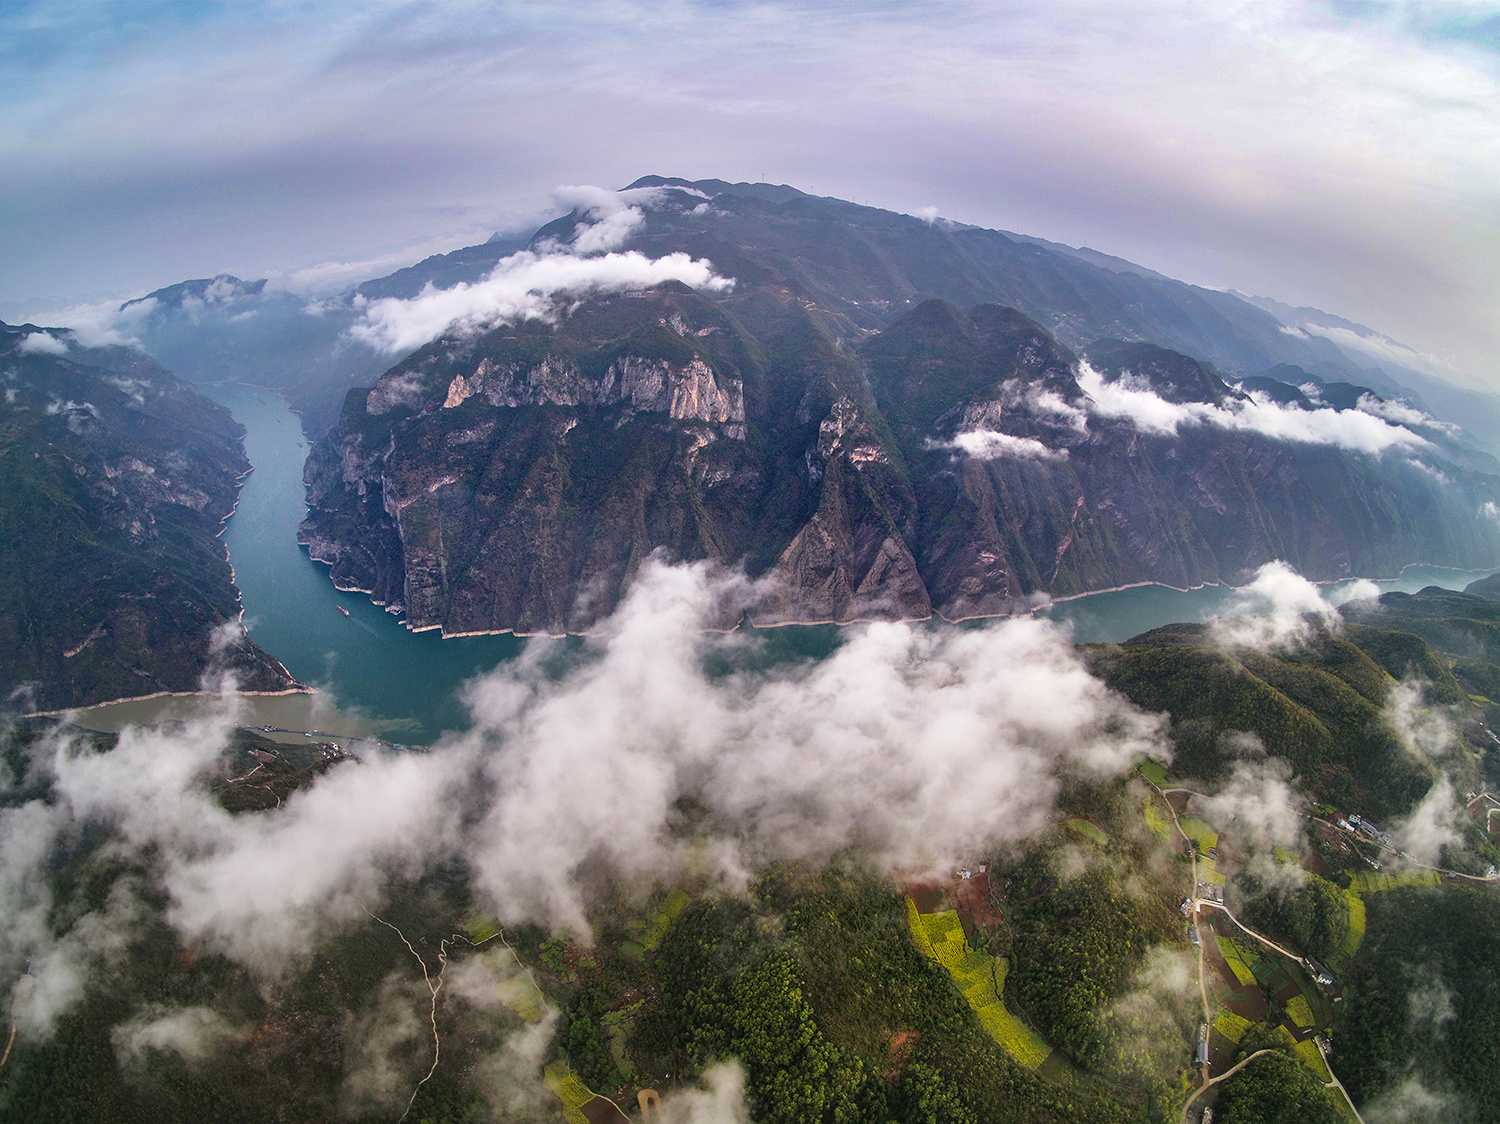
<point x="858" y="456"/>
<point x="115" y="480"/>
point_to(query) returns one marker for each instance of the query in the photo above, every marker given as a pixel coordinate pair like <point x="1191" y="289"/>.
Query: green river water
<point x="375" y="677"/>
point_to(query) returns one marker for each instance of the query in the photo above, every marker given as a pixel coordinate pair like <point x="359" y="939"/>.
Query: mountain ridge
<point x="914" y="457"/>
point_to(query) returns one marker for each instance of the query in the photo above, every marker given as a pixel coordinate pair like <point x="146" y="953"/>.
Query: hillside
<point x="868" y="450"/>
<point x="1059" y="977"/>
<point x="115" y="480"/>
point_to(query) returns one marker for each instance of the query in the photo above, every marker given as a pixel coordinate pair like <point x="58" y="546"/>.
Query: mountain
<point x="1052" y="978"/>
<point x="115" y="480"/>
<point x="224" y="329"/>
<point x="863" y="448"/>
<point x="862" y="263"/>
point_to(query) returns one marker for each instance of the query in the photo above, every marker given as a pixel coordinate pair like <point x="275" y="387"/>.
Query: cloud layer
<point x="1356" y="430"/>
<point x="522" y="286"/>
<point x="913" y="745"/>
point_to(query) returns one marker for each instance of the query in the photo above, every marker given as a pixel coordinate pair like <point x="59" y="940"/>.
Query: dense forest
<point x="1064" y="987"/>
<point x="1424" y="1002"/>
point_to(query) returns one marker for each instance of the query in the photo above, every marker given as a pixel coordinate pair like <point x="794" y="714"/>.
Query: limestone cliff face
<point x="950" y="463"/>
<point x="685" y="392"/>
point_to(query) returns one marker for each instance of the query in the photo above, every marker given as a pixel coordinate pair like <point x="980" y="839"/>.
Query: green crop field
<point x="981" y="980"/>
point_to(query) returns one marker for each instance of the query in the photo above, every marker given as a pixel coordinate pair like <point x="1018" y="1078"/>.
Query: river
<point x="375" y="677"/>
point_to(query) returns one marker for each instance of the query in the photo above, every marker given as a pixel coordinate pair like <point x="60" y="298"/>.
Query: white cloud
<point x="988" y="445"/>
<point x="609" y="216"/>
<point x="522" y="286"/>
<point x="1382" y="348"/>
<point x="1412" y="1102"/>
<point x="1426" y="732"/>
<point x="99" y="324"/>
<point x="1399" y="413"/>
<point x="41" y="343"/>
<point x="525" y="285"/>
<point x="720" y="1100"/>
<point x="1435" y="823"/>
<point x="1258" y="805"/>
<point x="1130" y="398"/>
<point x="1360" y="589"/>
<point x="1272" y="611"/>
<point x="913" y="745"/>
<point x="190" y="1032"/>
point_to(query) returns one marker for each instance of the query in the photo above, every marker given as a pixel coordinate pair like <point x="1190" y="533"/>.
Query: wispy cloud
<point x="1355" y="430"/>
<point x="1277" y="609"/>
<point x="989" y="445"/>
<point x="910" y="745"/>
<point x="522" y="286"/>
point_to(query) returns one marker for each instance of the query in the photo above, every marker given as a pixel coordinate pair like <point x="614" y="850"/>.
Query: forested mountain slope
<point x="115" y="480"/>
<point x="867" y="450"/>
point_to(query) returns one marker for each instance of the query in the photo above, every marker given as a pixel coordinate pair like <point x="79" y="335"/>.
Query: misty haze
<point x="698" y="564"/>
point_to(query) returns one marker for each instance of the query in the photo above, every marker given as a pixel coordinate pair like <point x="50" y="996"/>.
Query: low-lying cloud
<point x="1259" y="805"/>
<point x="1435" y="823"/>
<point x="42" y="343"/>
<point x="527" y="284"/>
<point x="1133" y="400"/>
<point x="989" y="445"/>
<point x="912" y="745"/>
<point x="523" y="286"/>
<point x="1278" y="609"/>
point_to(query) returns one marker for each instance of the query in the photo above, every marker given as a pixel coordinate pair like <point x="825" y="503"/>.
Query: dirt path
<point x="1202" y="985"/>
<point x="1336" y="1083"/>
<point x="1198" y="904"/>
<point x="433" y="987"/>
<point x="1230" y="1072"/>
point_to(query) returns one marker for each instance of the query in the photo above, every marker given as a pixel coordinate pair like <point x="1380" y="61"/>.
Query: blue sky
<point x="1342" y="156"/>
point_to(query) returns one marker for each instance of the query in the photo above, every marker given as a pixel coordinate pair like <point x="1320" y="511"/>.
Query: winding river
<point x="374" y="677"/>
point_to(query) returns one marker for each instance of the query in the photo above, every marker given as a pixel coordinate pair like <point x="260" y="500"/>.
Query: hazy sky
<point x="1344" y="156"/>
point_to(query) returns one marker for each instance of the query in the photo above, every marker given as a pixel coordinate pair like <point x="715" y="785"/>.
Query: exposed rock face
<point x="685" y="392"/>
<point x="949" y="462"/>
<point x="115" y="480"/>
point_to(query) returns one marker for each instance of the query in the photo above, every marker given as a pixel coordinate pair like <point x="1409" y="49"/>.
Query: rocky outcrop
<point x="949" y="462"/>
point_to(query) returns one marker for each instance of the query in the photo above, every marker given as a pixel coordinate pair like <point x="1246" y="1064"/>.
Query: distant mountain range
<point x="884" y="417"/>
<point x="115" y="480"/>
<point x="873" y="264"/>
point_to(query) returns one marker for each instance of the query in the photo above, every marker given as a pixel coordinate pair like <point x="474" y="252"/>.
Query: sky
<point x="1345" y="157"/>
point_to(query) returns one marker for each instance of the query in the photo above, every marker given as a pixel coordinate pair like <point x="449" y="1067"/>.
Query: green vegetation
<point x="1232" y="1026"/>
<point x="112" y="575"/>
<point x="1236" y="962"/>
<point x="1275" y="1088"/>
<point x="1311" y="917"/>
<point x="1318" y="708"/>
<point x="819" y="998"/>
<point x="1312" y="1057"/>
<point x="1076" y="944"/>
<point x="981" y="979"/>
<point x="1424" y="999"/>
<point x="1369" y="882"/>
<point x="1356" y="933"/>
<point x="1089" y="831"/>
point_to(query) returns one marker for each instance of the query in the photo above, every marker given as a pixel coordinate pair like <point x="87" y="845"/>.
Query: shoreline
<point x="300" y="690"/>
<point x="747" y="618"/>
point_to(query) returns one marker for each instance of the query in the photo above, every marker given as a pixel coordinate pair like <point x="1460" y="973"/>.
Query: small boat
<point x="341" y="609"/>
